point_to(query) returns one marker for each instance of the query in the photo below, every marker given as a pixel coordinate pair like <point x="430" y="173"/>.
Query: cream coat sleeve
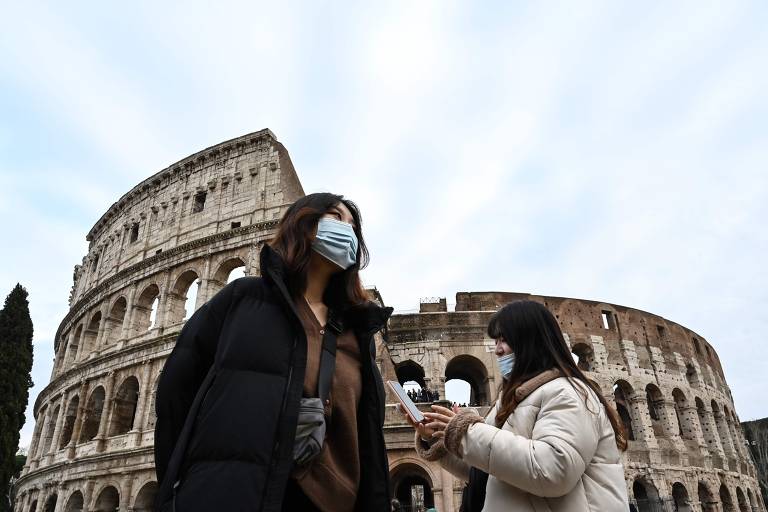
<point x="563" y="441"/>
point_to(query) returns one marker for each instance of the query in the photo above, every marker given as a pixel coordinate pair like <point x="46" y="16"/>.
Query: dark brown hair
<point x="293" y="243"/>
<point x="532" y="332"/>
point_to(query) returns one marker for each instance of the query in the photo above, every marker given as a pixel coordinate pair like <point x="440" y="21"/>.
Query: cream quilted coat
<point x="552" y="454"/>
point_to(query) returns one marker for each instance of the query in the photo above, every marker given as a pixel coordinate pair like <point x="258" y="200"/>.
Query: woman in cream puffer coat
<point x="550" y="443"/>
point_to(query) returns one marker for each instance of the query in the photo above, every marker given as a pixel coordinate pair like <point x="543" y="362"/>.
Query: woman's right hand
<point x="424" y="432"/>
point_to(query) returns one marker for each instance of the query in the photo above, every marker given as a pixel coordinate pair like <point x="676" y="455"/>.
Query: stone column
<point x="145" y="392"/>
<point x="639" y="414"/>
<point x="446" y="482"/>
<point x="126" y="502"/>
<point x="57" y="429"/>
<point x="204" y="287"/>
<point x="88" y="494"/>
<point x="106" y="412"/>
<point x="125" y="329"/>
<point x="80" y="343"/>
<point x="102" y="332"/>
<point x="710" y="434"/>
<point x="725" y="437"/>
<point x="82" y="404"/>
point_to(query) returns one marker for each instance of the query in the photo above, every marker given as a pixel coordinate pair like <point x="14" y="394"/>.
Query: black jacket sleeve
<point x="184" y="371"/>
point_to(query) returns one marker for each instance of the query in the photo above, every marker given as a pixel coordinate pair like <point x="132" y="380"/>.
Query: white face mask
<point x="506" y="364"/>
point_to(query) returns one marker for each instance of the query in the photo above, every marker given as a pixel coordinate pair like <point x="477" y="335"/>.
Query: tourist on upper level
<point x="271" y="399"/>
<point x="550" y="442"/>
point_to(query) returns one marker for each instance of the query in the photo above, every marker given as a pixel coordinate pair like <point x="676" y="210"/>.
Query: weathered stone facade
<point x="209" y="214"/>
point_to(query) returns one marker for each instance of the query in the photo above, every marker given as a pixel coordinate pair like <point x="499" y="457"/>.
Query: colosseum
<point x="174" y="240"/>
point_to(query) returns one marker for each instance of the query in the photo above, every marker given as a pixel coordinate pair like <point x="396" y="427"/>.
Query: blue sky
<point x="615" y="151"/>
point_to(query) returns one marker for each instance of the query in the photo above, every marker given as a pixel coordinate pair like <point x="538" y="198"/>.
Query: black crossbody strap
<point x="333" y="329"/>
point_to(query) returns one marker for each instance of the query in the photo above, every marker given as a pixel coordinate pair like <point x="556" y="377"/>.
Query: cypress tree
<point x="15" y="381"/>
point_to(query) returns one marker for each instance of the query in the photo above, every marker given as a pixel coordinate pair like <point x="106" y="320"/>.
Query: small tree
<point x="15" y="381"/>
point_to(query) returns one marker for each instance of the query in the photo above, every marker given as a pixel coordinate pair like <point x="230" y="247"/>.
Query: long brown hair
<point x="532" y="332"/>
<point x="293" y="243"/>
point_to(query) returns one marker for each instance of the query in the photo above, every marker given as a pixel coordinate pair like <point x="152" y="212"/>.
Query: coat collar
<point x="366" y="318"/>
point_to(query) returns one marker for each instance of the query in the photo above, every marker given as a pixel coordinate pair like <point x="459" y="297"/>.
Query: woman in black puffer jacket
<point x="229" y="395"/>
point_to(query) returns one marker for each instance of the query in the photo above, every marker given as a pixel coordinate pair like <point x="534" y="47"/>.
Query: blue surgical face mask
<point x="506" y="364"/>
<point x="336" y="241"/>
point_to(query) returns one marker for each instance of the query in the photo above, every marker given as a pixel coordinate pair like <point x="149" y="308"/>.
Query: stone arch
<point x="706" y="499"/>
<point x="74" y="342"/>
<point x="691" y="375"/>
<point x="108" y="500"/>
<point x="113" y="326"/>
<point x="184" y="289"/>
<point x="69" y="421"/>
<point x="686" y="427"/>
<point x="655" y="401"/>
<point x="646" y="495"/>
<point x="408" y="371"/>
<point x="145" y="497"/>
<point x="75" y="502"/>
<point x="741" y="499"/>
<point x="90" y="335"/>
<point x="412" y="484"/>
<point x="50" y="503"/>
<point x="723" y="431"/>
<point x="584" y="356"/>
<point x="145" y="309"/>
<point x="471" y="370"/>
<point x="224" y="272"/>
<point x="124" y="406"/>
<point x="622" y="392"/>
<point x="92" y="415"/>
<point x="680" y="498"/>
<point x="49" y="429"/>
<point x="726" y="500"/>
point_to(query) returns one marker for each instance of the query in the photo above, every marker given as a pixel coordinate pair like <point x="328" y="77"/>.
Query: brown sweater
<point x="331" y="480"/>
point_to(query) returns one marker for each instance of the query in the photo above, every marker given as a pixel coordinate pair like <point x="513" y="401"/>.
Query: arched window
<point x="114" y="322"/>
<point x="108" y="500"/>
<point x="124" y="407"/>
<point x="228" y="271"/>
<point x="725" y="499"/>
<point x="33" y="506"/>
<point x="90" y="335"/>
<point x="50" y="429"/>
<point x="145" y="314"/>
<point x="706" y="500"/>
<point x="584" y="357"/>
<point x="646" y="495"/>
<point x="75" y="502"/>
<point x="741" y="500"/>
<point x="145" y="498"/>
<point x="621" y="393"/>
<point x="69" y="421"/>
<point x="412" y="487"/>
<point x="691" y="376"/>
<point x="680" y="498"/>
<point x="50" y="503"/>
<point x="655" y="403"/>
<point x="472" y="371"/>
<point x="92" y="418"/>
<point x="181" y="300"/>
<point x="687" y="428"/>
<point x="73" y="344"/>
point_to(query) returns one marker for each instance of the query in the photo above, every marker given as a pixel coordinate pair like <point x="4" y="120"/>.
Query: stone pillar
<point x="106" y="413"/>
<point x="725" y="436"/>
<point x="599" y="354"/>
<point x="101" y="334"/>
<point x="630" y="356"/>
<point x="82" y="404"/>
<point x="80" y="343"/>
<point x="710" y="434"/>
<point x="145" y="393"/>
<point x="88" y="494"/>
<point x="126" y="500"/>
<point x="57" y="429"/>
<point x="204" y="287"/>
<point x="446" y="482"/>
<point x="640" y="417"/>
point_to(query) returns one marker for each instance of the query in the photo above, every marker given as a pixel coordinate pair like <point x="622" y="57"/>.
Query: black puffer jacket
<point x="228" y="398"/>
